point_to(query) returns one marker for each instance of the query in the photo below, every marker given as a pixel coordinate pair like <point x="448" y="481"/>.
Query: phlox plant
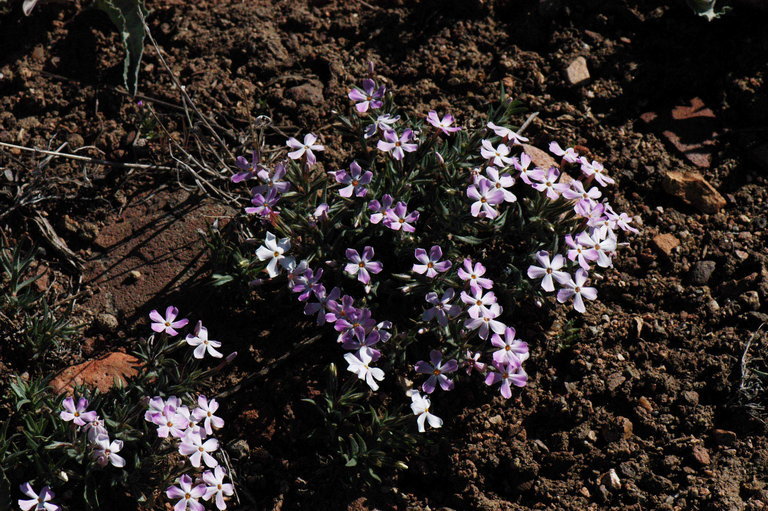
<point x="423" y="254"/>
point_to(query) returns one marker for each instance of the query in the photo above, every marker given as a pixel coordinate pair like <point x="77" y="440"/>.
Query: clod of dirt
<point x="101" y="373"/>
<point x="701" y="455"/>
<point x="310" y="93"/>
<point x="538" y="157"/>
<point x="723" y="436"/>
<point x="693" y="190"/>
<point x="577" y="71"/>
<point x="701" y="272"/>
<point x="106" y="322"/>
<point x="666" y="243"/>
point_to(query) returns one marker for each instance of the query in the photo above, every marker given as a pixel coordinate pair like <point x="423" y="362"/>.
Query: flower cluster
<point x="103" y="450"/>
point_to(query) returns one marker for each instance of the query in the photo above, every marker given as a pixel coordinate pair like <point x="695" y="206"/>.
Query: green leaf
<point x="127" y="15"/>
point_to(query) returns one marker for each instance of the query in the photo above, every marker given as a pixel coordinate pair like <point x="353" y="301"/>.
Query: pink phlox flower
<point x="430" y="264"/>
<point x="444" y="124"/>
<point x="167" y="324"/>
<point x="623" y="221"/>
<point x="437" y="371"/>
<point x="274" y="250"/>
<point x="472" y="362"/>
<point x="508" y="375"/>
<point x="339" y="309"/>
<point x="527" y="173"/>
<point x="362" y="265"/>
<point x="192" y="445"/>
<point x="578" y="193"/>
<point x="380" y="209"/>
<point x="38" y="501"/>
<point x="399" y="218"/>
<point x="202" y="344"/>
<point x="247" y="170"/>
<point x="171" y="422"/>
<point x="398" y="146"/>
<point x="420" y="405"/>
<point x="473" y="275"/>
<point x="187" y="494"/>
<point x="484" y="321"/>
<point x="498" y="156"/>
<point x="361" y="341"/>
<point x="604" y="247"/>
<point x="382" y="123"/>
<point x="154" y="407"/>
<point x="596" y="169"/>
<point x="95" y="429"/>
<point x="593" y="212"/>
<point x="205" y="412"/>
<point x="216" y="487"/>
<point x="548" y="270"/>
<point x="105" y="452"/>
<point x="355" y="180"/>
<point x="77" y="414"/>
<point x="485" y="197"/>
<point x="512" y="351"/>
<point x="548" y="183"/>
<point x="507" y="134"/>
<point x="576" y="290"/>
<point x="264" y="205"/>
<point x="368" y="96"/>
<point x="441" y="309"/>
<point x="569" y="154"/>
<point x="499" y="182"/>
<point x="477" y="301"/>
<point x="305" y="148"/>
<point x="582" y="249"/>
<point x="359" y="363"/>
<point x="319" y="307"/>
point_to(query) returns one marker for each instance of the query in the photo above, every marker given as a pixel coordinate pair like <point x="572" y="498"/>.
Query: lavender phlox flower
<point x="605" y="226"/>
<point x="473" y="275"/>
<point x="508" y="375"/>
<point x="205" y="412"/>
<point x="361" y="341"/>
<point x="368" y="96"/>
<point x="548" y="183"/>
<point x="319" y="307"/>
<point x="420" y="406"/>
<point x="507" y="134"/>
<point x="171" y="422"/>
<point x="202" y="344"/>
<point x="362" y="265"/>
<point x="192" y="445"/>
<point x="38" y="501"/>
<point x="485" y="196"/>
<point x="576" y="290"/>
<point x="274" y="250"/>
<point x="569" y="154"/>
<point x="380" y="209"/>
<point x="95" y="429"/>
<point x="512" y="351"/>
<point x="307" y="283"/>
<point x="355" y="180"/>
<point x="430" y="264"/>
<point x="154" y="407"/>
<point x="444" y="124"/>
<point x="472" y="362"/>
<point x="548" y="270"/>
<point x="320" y="214"/>
<point x="593" y="212"/>
<point x="500" y="182"/>
<point x="498" y="156"/>
<point x="477" y="301"/>
<point x="77" y="414"/>
<point x="216" y="487"/>
<point x="187" y="494"/>
<point x="582" y="250"/>
<point x="596" y="169"/>
<point x="358" y="363"/>
<point x="382" y="123"/>
<point x="528" y="173"/>
<point x="358" y="321"/>
<point x="167" y="324"/>
<point x="623" y="221"/>
<point x="437" y="370"/>
<point x="603" y="247"/>
<point x="264" y="205"/>
<point x="305" y="148"/>
<point x="398" y="146"/>
<point x="105" y="452"/>
<point x="399" y="218"/>
<point x="247" y="170"/>
<point x="382" y="328"/>
<point x="339" y="309"/>
<point x="578" y="193"/>
<point x="484" y="321"/>
<point x="272" y="181"/>
<point x="441" y="309"/>
<point x="295" y="271"/>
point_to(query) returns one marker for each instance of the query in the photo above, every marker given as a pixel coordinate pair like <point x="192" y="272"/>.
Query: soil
<point x="641" y="411"/>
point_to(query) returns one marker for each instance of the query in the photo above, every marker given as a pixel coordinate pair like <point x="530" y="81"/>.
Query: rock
<point x="309" y="93"/>
<point x="495" y="420"/>
<point x="750" y="300"/>
<point x="693" y="190"/>
<point x="240" y="449"/>
<point x="508" y="82"/>
<point x="701" y="272"/>
<point x="538" y="157"/>
<point x="101" y="373"/>
<point x="577" y="71"/>
<point x="645" y="404"/>
<point x="665" y="243"/>
<point x="614" y="381"/>
<point x="106" y="322"/>
<point x="134" y="275"/>
<point x="611" y="480"/>
<point x="723" y="436"/>
<point x="691" y="397"/>
<point x="701" y="455"/>
<point x="617" y="429"/>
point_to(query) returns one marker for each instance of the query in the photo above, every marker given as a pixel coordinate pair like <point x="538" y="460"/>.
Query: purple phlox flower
<point x="77" y="414"/>
<point x="274" y="250"/>
<point x="443" y="124"/>
<point x="576" y="290"/>
<point x="512" y="351"/>
<point x="320" y="214"/>
<point x="485" y="320"/>
<point x="319" y="306"/>
<point x="399" y="218"/>
<point x="95" y="429"/>
<point x="420" y="406"/>
<point x="295" y="271"/>
<point x="355" y="180"/>
<point x="397" y="146"/>
<point x="216" y="487"/>
<point x="623" y="221"/>
<point x="105" y="452"/>
<point x="264" y="205"/>
<point x="499" y="182"/>
<point x="382" y="328"/>
<point x="357" y="322"/>
<point x="368" y="96"/>
<point x="436" y="369"/>
<point x="441" y="308"/>
<point x="339" y="309"/>
<point x="382" y="123"/>
<point x="307" y="283"/>
<point x="272" y="181"/>
<point x="548" y="270"/>
<point x="473" y="275"/>
<point x="247" y="170"/>
<point x="167" y="324"/>
<point x="304" y="149"/>
<point x="430" y="265"/>
<point x="362" y="266"/>
<point x="548" y="183"/>
<point x="472" y="362"/>
<point x="358" y="363"/>
<point x="199" y="339"/>
<point x="498" y="156"/>
<point x="596" y="169"/>
<point x="192" y="445"/>
<point x="508" y="375"/>
<point x="205" y="412"/>
<point x="485" y="196"/>
<point x="593" y="212"/>
<point x="527" y="173"/>
<point x="569" y="154"/>
<point x="477" y="301"/>
<point x="187" y="494"/>
<point x="582" y="249"/>
<point x="578" y="193"/>
<point x="380" y="209"/>
<point x="38" y="501"/>
<point x="361" y="341"/>
<point x="507" y="134"/>
<point x="171" y="422"/>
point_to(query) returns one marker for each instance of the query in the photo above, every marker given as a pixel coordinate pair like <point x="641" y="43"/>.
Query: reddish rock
<point x="701" y="455"/>
<point x="100" y="373"/>
<point x="538" y="157"/>
<point x="692" y="189"/>
<point x="665" y="243"/>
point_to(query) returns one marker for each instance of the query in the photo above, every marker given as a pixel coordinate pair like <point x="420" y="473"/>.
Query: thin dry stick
<point x="527" y="122"/>
<point x="86" y="158"/>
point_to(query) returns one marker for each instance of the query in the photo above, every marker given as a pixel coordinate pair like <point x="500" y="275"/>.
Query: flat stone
<point x="100" y="373"/>
<point x="693" y="190"/>
<point x="701" y="455"/>
<point x="539" y="158"/>
<point x="665" y="243"/>
<point x="577" y="71"/>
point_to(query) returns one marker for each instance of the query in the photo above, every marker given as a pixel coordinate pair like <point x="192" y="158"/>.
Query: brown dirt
<point x="649" y="388"/>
